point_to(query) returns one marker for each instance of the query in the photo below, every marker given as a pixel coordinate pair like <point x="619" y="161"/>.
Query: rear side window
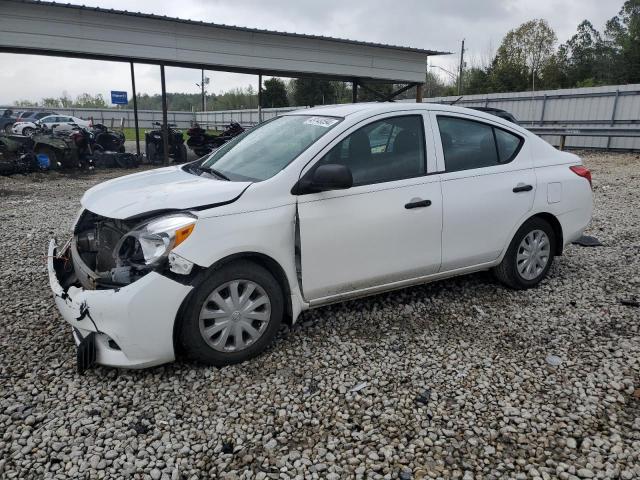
<point x="383" y="151"/>
<point x="508" y="145"/>
<point x="468" y="144"/>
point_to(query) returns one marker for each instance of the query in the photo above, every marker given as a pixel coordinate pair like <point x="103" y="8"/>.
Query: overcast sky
<point x="429" y="24"/>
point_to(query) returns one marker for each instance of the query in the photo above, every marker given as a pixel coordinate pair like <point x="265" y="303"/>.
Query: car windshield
<point x="263" y="151"/>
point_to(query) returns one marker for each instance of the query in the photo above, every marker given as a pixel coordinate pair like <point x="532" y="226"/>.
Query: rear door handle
<point x="417" y="204"/>
<point x="522" y="188"/>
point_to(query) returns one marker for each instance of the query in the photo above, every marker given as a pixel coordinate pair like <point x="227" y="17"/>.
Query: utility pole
<point x="259" y="98"/>
<point x="135" y="108"/>
<point x="203" y="96"/>
<point x="533" y="81"/>
<point x="461" y="68"/>
<point x="203" y="83"/>
<point x="427" y="83"/>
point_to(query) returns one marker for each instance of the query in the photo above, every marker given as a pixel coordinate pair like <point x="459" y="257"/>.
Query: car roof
<point x="374" y="108"/>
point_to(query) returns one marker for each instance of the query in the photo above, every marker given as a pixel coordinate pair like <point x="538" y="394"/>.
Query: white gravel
<point x="452" y="378"/>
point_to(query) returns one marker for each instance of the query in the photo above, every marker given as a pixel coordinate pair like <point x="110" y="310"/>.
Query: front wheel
<point x="234" y="314"/>
<point x="28" y="131"/>
<point x="529" y="256"/>
<point x="8" y="128"/>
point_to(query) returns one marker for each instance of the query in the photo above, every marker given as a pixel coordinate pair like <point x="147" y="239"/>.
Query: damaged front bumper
<point x="133" y="324"/>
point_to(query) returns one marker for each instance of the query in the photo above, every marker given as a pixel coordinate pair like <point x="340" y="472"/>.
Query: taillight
<point x="582" y="172"/>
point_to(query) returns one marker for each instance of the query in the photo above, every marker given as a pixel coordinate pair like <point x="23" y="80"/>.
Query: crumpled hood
<point x="161" y="189"/>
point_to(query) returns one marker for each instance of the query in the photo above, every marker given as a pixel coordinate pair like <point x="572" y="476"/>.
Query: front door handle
<point x="522" y="188"/>
<point x="415" y="203"/>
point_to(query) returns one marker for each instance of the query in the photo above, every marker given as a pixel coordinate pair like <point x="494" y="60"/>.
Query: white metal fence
<point x="146" y="118"/>
<point x="248" y="117"/>
<point x="610" y="107"/>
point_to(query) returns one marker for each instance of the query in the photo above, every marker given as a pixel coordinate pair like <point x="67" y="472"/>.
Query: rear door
<point x="384" y="229"/>
<point x="488" y="187"/>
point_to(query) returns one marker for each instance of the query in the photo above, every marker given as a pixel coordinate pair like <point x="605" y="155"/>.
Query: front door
<point x="387" y="227"/>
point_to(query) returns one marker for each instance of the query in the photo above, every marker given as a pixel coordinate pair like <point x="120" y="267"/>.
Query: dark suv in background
<point x="7" y="120"/>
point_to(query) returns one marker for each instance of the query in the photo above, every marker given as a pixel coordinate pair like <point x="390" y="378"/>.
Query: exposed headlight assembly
<point x="150" y="243"/>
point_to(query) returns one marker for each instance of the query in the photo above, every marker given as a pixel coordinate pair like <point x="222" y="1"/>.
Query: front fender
<point x="269" y="232"/>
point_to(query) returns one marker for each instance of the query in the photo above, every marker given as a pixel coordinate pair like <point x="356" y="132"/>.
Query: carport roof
<point x="232" y="27"/>
<point x="50" y="28"/>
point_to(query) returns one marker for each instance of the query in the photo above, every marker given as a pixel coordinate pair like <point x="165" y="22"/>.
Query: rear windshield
<point x="263" y="151"/>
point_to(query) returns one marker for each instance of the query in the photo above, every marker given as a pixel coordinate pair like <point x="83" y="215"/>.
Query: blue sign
<point x="119" y="98"/>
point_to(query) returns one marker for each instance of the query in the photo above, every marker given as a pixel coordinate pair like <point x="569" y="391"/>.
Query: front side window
<point x="383" y="151"/>
<point x="468" y="144"/>
<point x="260" y="153"/>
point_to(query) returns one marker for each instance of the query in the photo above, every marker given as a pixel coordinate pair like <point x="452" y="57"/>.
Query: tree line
<point x="528" y="58"/>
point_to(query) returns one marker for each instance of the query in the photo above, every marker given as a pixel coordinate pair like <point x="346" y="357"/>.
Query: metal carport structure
<point x="48" y="28"/>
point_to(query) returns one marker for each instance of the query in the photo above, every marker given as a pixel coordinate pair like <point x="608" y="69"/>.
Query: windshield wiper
<point x="215" y="172"/>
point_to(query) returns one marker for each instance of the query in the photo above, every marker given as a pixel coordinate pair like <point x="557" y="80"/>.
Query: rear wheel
<point x="234" y="314"/>
<point x="8" y="127"/>
<point x="529" y="256"/>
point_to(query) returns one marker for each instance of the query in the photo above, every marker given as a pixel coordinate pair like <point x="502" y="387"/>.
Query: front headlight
<point x="150" y="243"/>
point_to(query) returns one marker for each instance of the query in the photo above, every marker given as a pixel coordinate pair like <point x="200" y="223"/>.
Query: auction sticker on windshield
<point x="325" y="122"/>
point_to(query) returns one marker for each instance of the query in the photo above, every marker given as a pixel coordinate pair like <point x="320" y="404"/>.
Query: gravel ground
<point x="452" y="379"/>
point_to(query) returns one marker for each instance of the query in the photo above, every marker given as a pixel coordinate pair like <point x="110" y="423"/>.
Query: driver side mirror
<point x="331" y="176"/>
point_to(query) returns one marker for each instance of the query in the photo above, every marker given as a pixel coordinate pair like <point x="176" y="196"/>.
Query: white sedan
<point x="54" y="122"/>
<point x="310" y="208"/>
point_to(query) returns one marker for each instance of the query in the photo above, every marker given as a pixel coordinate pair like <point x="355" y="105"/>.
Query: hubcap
<point x="533" y="254"/>
<point x="235" y="315"/>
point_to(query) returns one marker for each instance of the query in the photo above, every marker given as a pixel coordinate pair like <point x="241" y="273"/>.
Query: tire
<point x="8" y="128"/>
<point x="27" y="131"/>
<point x="193" y="339"/>
<point x="182" y="154"/>
<point x="151" y="153"/>
<point x="509" y="271"/>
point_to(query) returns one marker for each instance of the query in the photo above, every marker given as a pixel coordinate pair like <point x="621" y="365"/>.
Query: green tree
<point x="475" y="80"/>
<point x="237" y="98"/>
<point x="434" y="86"/>
<point x="586" y="57"/>
<point x="382" y="90"/>
<point x="554" y="73"/>
<point x="343" y="91"/>
<point x="25" y="103"/>
<point x="50" y="102"/>
<point x="622" y="36"/>
<point x="274" y="93"/>
<point x="65" y="100"/>
<point x="522" y="56"/>
<point x="86" y="100"/>
<point x="313" y="91"/>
